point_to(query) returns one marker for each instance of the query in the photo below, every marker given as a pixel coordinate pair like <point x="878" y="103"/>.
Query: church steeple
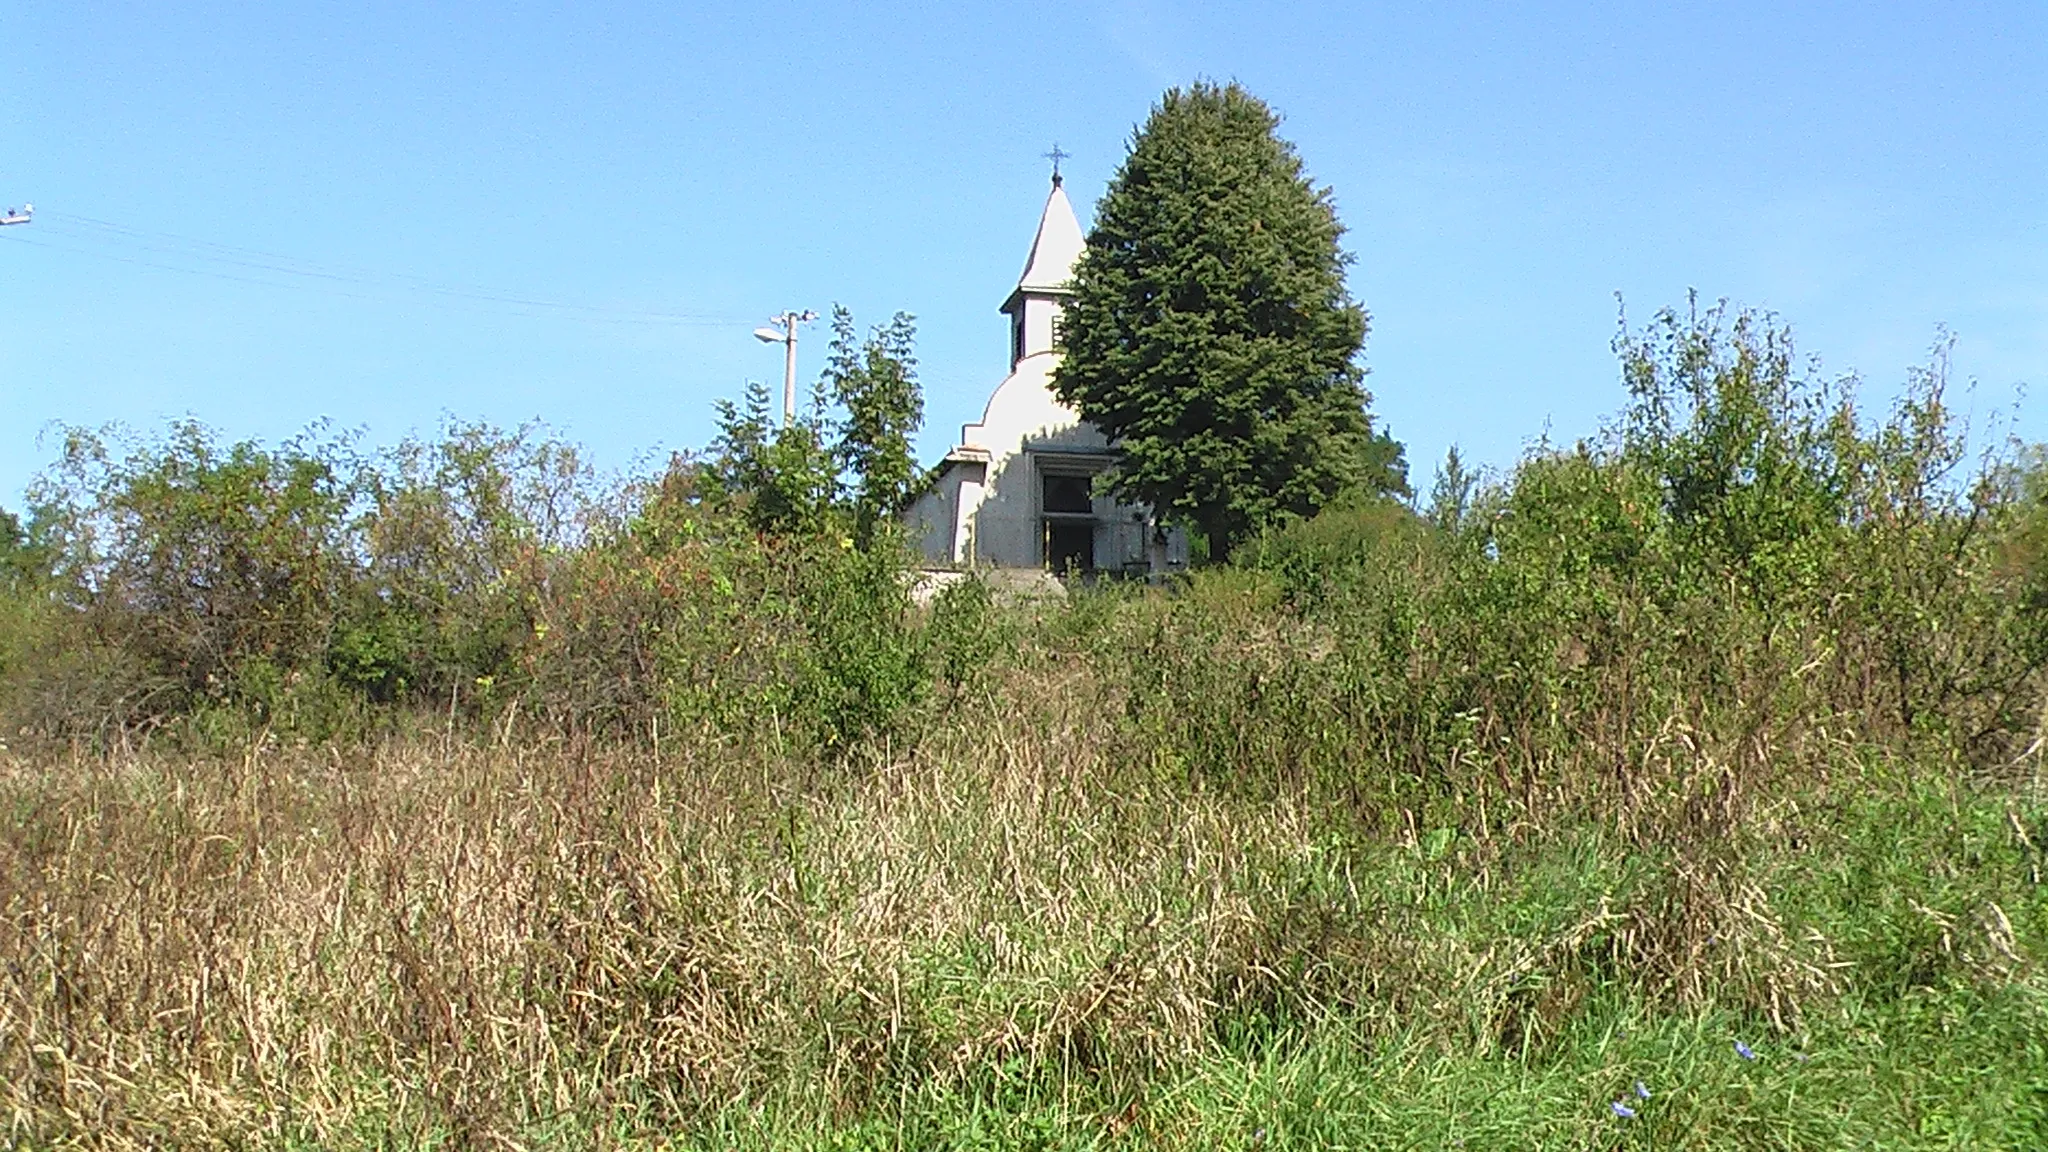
<point x="1034" y="305"/>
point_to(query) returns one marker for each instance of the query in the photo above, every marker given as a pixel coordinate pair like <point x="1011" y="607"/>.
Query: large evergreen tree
<point x="1210" y="334"/>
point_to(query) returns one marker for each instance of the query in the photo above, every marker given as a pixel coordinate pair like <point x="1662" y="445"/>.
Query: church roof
<point x="1053" y="251"/>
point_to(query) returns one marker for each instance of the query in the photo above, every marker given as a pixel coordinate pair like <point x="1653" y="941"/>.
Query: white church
<point x="1017" y="491"/>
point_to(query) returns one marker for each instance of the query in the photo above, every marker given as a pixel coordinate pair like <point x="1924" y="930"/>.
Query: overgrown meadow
<point x="1681" y="788"/>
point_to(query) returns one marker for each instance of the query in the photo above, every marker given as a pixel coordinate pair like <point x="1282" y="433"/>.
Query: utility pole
<point x="21" y="217"/>
<point x="786" y="337"/>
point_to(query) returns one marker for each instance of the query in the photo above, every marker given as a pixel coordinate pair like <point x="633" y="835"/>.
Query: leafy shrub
<point x="195" y="560"/>
<point x="1726" y="722"/>
<point x="1742" y="557"/>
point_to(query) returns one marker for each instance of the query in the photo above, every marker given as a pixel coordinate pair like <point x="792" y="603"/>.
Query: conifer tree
<point x="1210" y="334"/>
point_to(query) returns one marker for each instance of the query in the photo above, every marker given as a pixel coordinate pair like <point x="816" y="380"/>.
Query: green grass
<point x="1964" y="1071"/>
<point x="1414" y="835"/>
<point x="1004" y="940"/>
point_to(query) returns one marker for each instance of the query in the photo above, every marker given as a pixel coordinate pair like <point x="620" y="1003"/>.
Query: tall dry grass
<point x="489" y="942"/>
<point x="520" y="838"/>
<point x="470" y="939"/>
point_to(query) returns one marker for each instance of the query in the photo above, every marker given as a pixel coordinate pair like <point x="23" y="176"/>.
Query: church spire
<point x="1054" y="249"/>
<point x="1034" y="305"/>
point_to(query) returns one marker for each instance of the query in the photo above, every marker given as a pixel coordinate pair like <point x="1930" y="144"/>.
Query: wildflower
<point x="1623" y="1110"/>
<point x="1642" y="1093"/>
<point x="1744" y="1051"/>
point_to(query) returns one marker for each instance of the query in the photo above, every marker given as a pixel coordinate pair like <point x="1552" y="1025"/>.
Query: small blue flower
<point x="1743" y="1050"/>
<point x="1642" y="1093"/>
<point x="1623" y="1110"/>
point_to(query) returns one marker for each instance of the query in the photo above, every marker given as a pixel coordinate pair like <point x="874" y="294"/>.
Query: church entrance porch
<point x="1070" y="547"/>
<point x="1066" y="513"/>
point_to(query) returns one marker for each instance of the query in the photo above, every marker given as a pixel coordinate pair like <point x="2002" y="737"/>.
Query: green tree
<point x="459" y="532"/>
<point x="1450" y="499"/>
<point x="875" y="382"/>
<point x="783" y="480"/>
<point x="796" y="479"/>
<point x="21" y="562"/>
<point x="1210" y="334"/>
<point x="211" y="563"/>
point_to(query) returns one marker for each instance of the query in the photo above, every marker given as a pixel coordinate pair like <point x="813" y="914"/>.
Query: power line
<point x="270" y="262"/>
<point x="312" y="275"/>
<point x="12" y="238"/>
<point x="577" y="312"/>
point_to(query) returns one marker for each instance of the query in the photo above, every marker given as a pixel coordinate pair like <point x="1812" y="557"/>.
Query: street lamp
<point x="786" y="336"/>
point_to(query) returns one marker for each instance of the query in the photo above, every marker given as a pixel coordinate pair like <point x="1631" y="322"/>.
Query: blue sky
<point x="578" y="212"/>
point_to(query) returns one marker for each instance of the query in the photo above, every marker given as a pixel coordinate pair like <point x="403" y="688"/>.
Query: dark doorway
<point x="1070" y="546"/>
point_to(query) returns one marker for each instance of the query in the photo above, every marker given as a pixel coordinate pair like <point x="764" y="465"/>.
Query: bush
<point x="1724" y="724"/>
<point x="1742" y="558"/>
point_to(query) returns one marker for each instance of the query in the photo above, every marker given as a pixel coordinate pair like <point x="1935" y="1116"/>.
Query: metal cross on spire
<point x="1057" y="155"/>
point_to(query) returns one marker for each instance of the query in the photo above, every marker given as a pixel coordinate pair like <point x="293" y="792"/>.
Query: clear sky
<point x="265" y="213"/>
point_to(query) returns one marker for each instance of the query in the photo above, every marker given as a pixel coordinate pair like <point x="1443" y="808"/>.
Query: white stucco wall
<point x="1022" y="417"/>
<point x="932" y="515"/>
<point x="990" y="514"/>
<point x="1040" y="314"/>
